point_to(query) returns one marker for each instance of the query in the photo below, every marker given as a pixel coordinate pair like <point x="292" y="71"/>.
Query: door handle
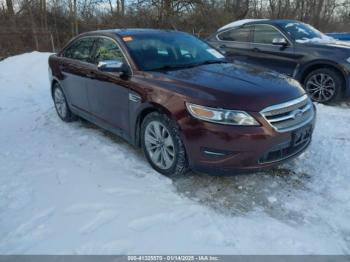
<point x="256" y="50"/>
<point x="91" y="75"/>
<point x="223" y="46"/>
<point x="61" y="66"/>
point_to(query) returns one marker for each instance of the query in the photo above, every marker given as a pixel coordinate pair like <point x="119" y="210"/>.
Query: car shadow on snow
<point x="237" y="195"/>
<point x="266" y="191"/>
<point x="115" y="138"/>
<point x="343" y="103"/>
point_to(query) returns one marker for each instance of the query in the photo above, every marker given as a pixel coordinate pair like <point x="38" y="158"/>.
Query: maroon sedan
<point x="181" y="101"/>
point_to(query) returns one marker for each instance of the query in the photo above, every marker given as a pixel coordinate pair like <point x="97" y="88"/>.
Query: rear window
<point x="236" y="35"/>
<point x="80" y="50"/>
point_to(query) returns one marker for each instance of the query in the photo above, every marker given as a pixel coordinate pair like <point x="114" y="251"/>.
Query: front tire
<point x="61" y="104"/>
<point x="162" y="145"/>
<point x="324" y="85"/>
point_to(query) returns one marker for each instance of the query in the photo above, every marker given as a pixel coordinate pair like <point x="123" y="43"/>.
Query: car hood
<point x="340" y="44"/>
<point x="232" y="86"/>
<point x="330" y="44"/>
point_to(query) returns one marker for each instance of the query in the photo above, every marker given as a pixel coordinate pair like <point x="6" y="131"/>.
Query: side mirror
<point x="280" y="41"/>
<point x="116" y="66"/>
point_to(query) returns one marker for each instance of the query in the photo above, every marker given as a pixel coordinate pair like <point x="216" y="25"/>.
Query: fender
<point x="52" y="80"/>
<point x="300" y="74"/>
<point x="138" y="112"/>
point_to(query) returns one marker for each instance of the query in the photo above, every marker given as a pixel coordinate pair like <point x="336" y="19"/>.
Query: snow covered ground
<point x="76" y="189"/>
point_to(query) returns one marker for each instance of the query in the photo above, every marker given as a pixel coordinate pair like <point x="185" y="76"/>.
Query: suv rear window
<point x="237" y="35"/>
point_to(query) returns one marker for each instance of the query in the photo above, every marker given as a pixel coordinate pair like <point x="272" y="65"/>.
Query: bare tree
<point x="10" y="10"/>
<point x="238" y="9"/>
<point x="39" y="24"/>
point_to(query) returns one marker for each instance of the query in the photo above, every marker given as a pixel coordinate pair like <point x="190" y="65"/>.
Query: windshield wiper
<point x="171" y="67"/>
<point x="208" y="62"/>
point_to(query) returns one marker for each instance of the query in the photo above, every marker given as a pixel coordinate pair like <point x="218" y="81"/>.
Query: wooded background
<point x="27" y="25"/>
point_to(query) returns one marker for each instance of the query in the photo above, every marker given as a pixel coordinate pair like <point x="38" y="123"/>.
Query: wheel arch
<point x="143" y="112"/>
<point x="319" y="65"/>
<point x="53" y="82"/>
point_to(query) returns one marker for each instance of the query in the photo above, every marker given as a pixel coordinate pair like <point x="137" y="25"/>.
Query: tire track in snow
<point x="28" y="233"/>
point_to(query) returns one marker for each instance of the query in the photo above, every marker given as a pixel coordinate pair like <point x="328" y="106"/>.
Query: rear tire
<point x="324" y="85"/>
<point x="162" y="145"/>
<point x="61" y="104"/>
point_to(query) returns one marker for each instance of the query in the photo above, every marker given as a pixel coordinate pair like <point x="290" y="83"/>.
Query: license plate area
<point x="301" y="135"/>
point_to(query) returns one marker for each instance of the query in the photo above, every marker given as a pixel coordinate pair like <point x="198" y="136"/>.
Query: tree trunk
<point x="316" y="19"/>
<point x="122" y="4"/>
<point x="33" y="25"/>
<point x="71" y="17"/>
<point x="44" y="15"/>
<point x="167" y="13"/>
<point x="9" y="6"/>
<point x="76" y="31"/>
<point x="110" y="6"/>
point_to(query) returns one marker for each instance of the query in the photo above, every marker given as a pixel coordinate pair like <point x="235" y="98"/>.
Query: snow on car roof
<point x="239" y="23"/>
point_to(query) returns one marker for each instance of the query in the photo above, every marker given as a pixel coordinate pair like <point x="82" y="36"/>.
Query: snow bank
<point x="74" y="189"/>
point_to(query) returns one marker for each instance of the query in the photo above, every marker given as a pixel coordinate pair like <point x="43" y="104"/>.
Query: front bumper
<point x="346" y="72"/>
<point x="347" y="87"/>
<point x="222" y="149"/>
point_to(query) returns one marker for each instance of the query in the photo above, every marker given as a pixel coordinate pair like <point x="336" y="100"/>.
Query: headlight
<point x="221" y="116"/>
<point x="348" y="60"/>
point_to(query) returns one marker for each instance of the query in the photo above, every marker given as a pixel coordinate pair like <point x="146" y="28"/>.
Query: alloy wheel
<point x="60" y="103"/>
<point x="159" y="145"/>
<point x="321" y="87"/>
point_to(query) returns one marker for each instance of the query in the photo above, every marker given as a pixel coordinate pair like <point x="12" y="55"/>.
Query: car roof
<point x="131" y="31"/>
<point x="240" y="23"/>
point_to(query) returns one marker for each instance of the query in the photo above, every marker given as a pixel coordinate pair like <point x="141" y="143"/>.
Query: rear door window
<point x="236" y="35"/>
<point x="80" y="50"/>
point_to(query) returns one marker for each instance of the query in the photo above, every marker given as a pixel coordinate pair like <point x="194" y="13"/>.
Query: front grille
<point x="284" y="151"/>
<point x="290" y="115"/>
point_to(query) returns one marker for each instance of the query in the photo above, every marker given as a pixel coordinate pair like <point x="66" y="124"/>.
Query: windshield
<point x="169" y="51"/>
<point x="301" y="31"/>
